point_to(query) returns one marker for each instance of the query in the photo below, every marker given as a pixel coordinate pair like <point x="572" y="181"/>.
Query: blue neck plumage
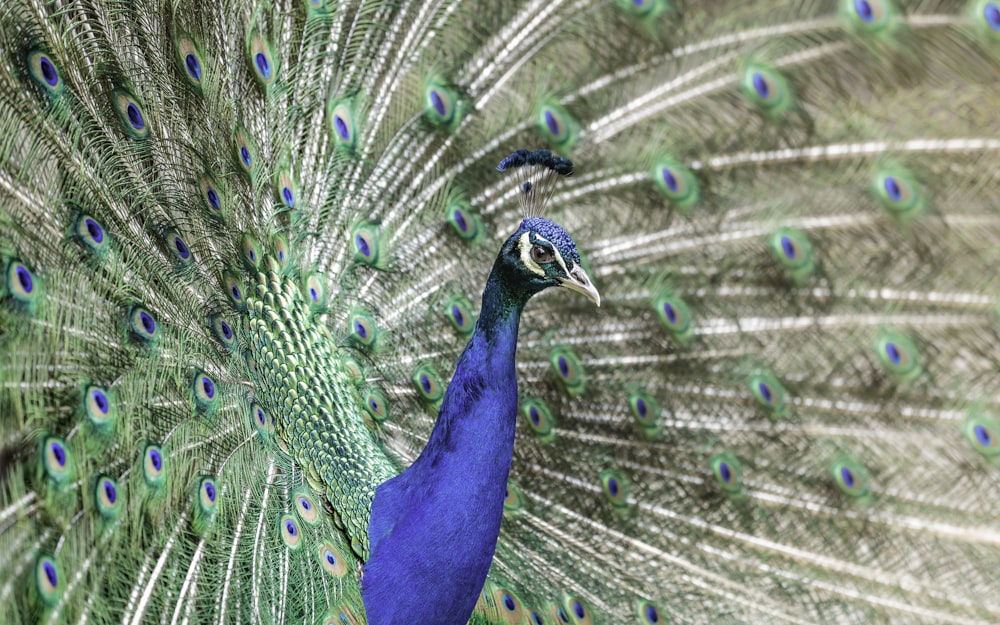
<point x="433" y="528"/>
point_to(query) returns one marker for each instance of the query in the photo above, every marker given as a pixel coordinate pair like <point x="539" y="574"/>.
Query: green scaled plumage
<point x="242" y="246"/>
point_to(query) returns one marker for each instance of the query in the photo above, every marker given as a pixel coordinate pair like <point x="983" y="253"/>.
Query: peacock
<point x="529" y="313"/>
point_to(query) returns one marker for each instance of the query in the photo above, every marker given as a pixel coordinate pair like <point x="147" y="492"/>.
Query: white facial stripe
<point x="524" y="245"/>
<point x="559" y="259"/>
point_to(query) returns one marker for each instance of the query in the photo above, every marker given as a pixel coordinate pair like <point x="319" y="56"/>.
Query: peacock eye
<point x="541" y="255"/>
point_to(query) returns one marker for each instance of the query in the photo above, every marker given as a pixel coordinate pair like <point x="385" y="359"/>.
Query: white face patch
<point x="524" y="245"/>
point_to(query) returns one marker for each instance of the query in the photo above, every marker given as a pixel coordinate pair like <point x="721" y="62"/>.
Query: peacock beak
<point x="580" y="282"/>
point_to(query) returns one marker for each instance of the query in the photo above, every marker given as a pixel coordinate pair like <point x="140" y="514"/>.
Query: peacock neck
<point x="434" y="527"/>
<point x="480" y="435"/>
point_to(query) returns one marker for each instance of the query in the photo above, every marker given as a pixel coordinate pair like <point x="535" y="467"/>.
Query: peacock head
<point x="541" y="254"/>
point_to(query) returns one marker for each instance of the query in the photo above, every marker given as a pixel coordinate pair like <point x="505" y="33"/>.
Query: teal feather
<point x="242" y="246"/>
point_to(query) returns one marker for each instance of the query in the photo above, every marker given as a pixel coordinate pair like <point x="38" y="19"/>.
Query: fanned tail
<point x="243" y="246"/>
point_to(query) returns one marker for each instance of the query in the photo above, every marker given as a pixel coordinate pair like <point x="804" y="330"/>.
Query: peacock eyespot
<point x="615" y="485"/>
<point x="288" y="197"/>
<point x="363" y="246"/>
<point x="226" y="330"/>
<point x="983" y="435"/>
<point x="48" y="579"/>
<point x="670" y="312"/>
<point x="847" y="477"/>
<point x="727" y="471"/>
<point x="360" y="329"/>
<point x="290" y="533"/>
<point x="182" y="248"/>
<point x="24" y="278"/>
<point x="428" y="383"/>
<point x="463" y="220"/>
<point x="536" y="618"/>
<point x="263" y="65"/>
<point x="332" y="560"/>
<point x="649" y="614"/>
<point x="437" y="102"/>
<point x="670" y="179"/>
<point x="91" y="233"/>
<point x="22" y="285"/>
<point x="791" y="253"/>
<point x="44" y="72"/>
<point x="552" y="122"/>
<point x="765" y="392"/>
<point x="556" y="124"/>
<point x="539" y="418"/>
<point x="245" y="156"/>
<point x="109" y="503"/>
<point x="313" y="295"/>
<point x="761" y="86"/>
<point x="342" y="122"/>
<point x="94" y="230"/>
<point x="569" y="369"/>
<point x="143" y="324"/>
<point x="508" y="602"/>
<point x="341" y="126"/>
<point x="459" y="314"/>
<point x="578" y="609"/>
<point x="208" y="387"/>
<point x="208" y="491"/>
<point x="892" y="189"/>
<point x="871" y="15"/>
<point x="97" y="406"/>
<point x="100" y="400"/>
<point x="767" y="89"/>
<point x="153" y="463"/>
<point x="193" y="66"/>
<point x="893" y="353"/>
<point x="898" y="355"/>
<point x="134" y="116"/>
<point x="898" y="191"/>
<point x="58" y="453"/>
<point x="645" y="411"/>
<point x="49" y="74"/>
<point x="375" y="405"/>
<point x="864" y="10"/>
<point x="991" y="13"/>
<point x="51" y="576"/>
<point x="261" y="421"/>
<point x="850" y="477"/>
<point x="213" y="199"/>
